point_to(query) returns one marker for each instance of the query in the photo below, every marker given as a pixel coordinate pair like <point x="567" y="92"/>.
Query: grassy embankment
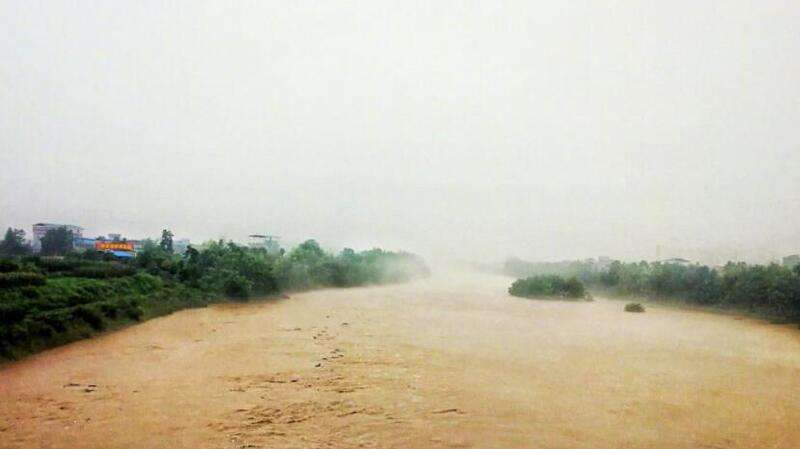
<point x="45" y="302"/>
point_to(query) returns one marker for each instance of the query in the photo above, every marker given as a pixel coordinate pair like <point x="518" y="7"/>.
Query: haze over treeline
<point x="548" y="131"/>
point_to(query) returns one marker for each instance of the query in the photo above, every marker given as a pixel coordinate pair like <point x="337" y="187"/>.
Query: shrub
<point x="56" y="264"/>
<point x="8" y="265"/>
<point x="634" y="307"/>
<point x="103" y="271"/>
<point x="59" y="320"/>
<point x="548" y="286"/>
<point x="109" y="309"/>
<point x="237" y="286"/>
<point x="131" y="311"/>
<point x="91" y="315"/>
<point x="20" y="279"/>
<point x="29" y="291"/>
<point x="573" y="288"/>
<point x="146" y="283"/>
<point x="12" y="311"/>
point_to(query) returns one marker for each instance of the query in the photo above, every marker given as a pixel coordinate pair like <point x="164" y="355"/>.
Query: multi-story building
<point x="271" y="243"/>
<point x="40" y="229"/>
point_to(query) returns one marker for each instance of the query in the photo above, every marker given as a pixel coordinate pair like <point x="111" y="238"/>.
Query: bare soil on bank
<point x="448" y="362"/>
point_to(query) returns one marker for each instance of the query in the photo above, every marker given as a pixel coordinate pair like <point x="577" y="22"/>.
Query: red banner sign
<point x="116" y="246"/>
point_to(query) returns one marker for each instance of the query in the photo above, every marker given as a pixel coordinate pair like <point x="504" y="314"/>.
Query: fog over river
<point x="450" y="361"/>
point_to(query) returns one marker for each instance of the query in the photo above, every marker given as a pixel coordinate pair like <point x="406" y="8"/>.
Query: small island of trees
<point x="548" y="286"/>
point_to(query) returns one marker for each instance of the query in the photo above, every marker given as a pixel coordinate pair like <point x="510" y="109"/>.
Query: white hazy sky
<point x="547" y="130"/>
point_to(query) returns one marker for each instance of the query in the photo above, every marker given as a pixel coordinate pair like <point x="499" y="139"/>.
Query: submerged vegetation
<point x="634" y="307"/>
<point x="47" y="301"/>
<point x="548" y="286"/>
<point x="768" y="290"/>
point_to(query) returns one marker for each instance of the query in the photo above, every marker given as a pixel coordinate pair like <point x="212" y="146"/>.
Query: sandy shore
<point x="448" y="362"/>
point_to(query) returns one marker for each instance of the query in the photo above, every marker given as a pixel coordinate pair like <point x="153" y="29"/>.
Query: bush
<point x="58" y="320"/>
<point x="7" y="266"/>
<point x="145" y="283"/>
<point x="103" y="271"/>
<point x="19" y="279"/>
<point x="131" y="310"/>
<point x="634" y="307"/>
<point x="12" y="310"/>
<point x="57" y="264"/>
<point x="548" y="286"/>
<point x="91" y="315"/>
<point x="237" y="286"/>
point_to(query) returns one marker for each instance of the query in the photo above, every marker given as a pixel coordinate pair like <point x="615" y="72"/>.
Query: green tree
<point x="57" y="242"/>
<point x="166" y="240"/>
<point x="14" y="243"/>
<point x="151" y="256"/>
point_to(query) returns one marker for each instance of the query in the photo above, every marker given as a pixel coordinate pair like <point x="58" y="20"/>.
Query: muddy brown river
<point x="447" y="362"/>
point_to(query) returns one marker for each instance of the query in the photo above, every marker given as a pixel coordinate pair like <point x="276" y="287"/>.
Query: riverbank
<point x="46" y="302"/>
<point x="771" y="291"/>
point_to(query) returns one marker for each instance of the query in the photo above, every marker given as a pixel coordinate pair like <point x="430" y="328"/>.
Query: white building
<point x="40" y="229"/>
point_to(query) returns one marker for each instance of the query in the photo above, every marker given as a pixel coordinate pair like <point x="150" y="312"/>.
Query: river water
<point x="447" y="362"/>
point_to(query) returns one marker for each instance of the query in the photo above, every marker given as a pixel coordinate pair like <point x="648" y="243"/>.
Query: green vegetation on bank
<point x="13" y="243"/>
<point x="548" y="286"/>
<point x="768" y="290"/>
<point x="48" y="301"/>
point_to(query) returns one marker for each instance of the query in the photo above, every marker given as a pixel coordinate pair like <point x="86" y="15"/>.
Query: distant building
<point x="40" y="229"/>
<point x="138" y="245"/>
<point x="267" y="242"/>
<point x="115" y="245"/>
<point x="677" y="261"/>
<point x="122" y="255"/>
<point x="791" y="261"/>
<point x="179" y="246"/>
<point x="82" y="244"/>
<point x="603" y="262"/>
